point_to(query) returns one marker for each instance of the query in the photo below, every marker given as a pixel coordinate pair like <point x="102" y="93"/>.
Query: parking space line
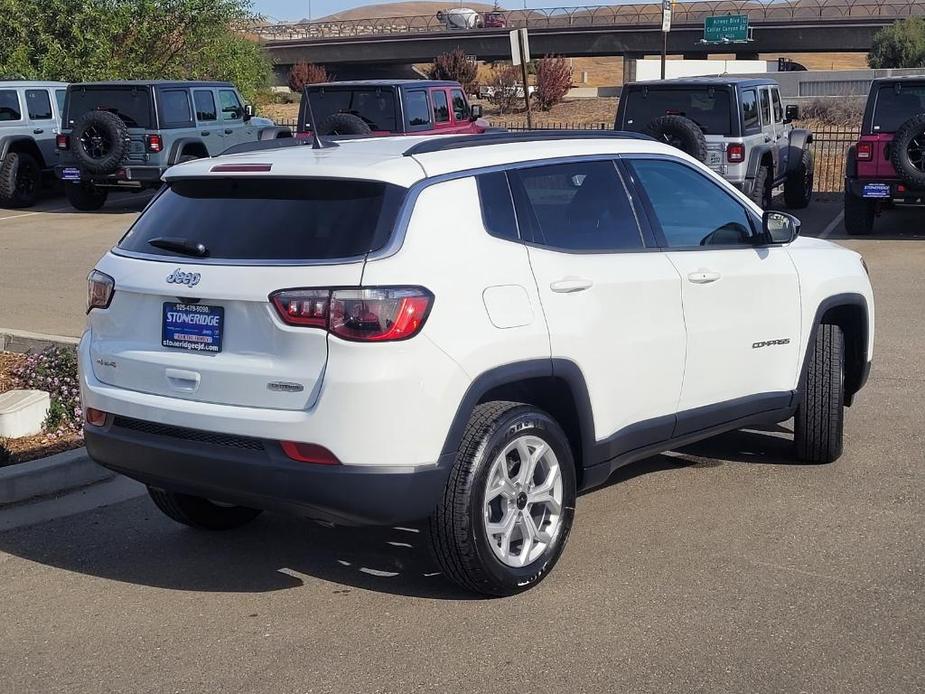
<point x="834" y="223"/>
<point x="29" y="214"/>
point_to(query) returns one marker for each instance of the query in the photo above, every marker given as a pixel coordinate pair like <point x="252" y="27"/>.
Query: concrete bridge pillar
<point x="629" y="66"/>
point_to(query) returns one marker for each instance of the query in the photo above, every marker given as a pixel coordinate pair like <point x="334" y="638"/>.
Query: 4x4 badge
<point x="190" y="279"/>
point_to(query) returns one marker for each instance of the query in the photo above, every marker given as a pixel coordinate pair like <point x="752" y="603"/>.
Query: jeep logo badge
<point x="190" y="279"/>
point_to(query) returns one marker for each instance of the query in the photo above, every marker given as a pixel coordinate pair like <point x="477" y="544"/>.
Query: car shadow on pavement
<point x="133" y="543"/>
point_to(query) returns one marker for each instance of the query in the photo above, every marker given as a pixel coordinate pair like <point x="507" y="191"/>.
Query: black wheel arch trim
<point x="274" y="132"/>
<point x="176" y="150"/>
<point x="754" y="159"/>
<point x="8" y="142"/>
<point x="799" y="139"/>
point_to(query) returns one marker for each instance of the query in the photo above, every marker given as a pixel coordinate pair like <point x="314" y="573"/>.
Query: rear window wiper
<point x="178" y="245"/>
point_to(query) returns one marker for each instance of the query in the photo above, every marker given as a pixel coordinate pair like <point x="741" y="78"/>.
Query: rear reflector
<point x="308" y="453"/>
<point x="865" y="151"/>
<point x="240" y="168"/>
<point x="94" y="417"/>
<point x="372" y="314"/>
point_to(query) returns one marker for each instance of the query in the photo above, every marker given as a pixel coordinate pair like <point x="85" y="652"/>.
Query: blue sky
<point x="297" y="9"/>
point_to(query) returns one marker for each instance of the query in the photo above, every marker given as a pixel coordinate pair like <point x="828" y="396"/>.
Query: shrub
<point x="55" y="371"/>
<point x="553" y="80"/>
<point x="301" y="74"/>
<point x="899" y="45"/>
<point x="503" y="87"/>
<point x="842" y="111"/>
<point x="457" y="67"/>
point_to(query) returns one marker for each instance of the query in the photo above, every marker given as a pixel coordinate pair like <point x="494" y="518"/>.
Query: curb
<point x="47" y="476"/>
<point x="25" y="342"/>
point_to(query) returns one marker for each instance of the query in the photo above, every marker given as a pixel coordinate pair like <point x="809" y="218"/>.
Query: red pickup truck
<point x="887" y="165"/>
<point x="389" y="107"/>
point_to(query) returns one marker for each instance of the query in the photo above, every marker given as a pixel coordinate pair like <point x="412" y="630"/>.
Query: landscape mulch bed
<point x="28" y="448"/>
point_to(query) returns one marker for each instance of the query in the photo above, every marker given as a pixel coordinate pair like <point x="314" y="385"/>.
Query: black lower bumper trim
<point x="267" y="479"/>
<point x="123" y="177"/>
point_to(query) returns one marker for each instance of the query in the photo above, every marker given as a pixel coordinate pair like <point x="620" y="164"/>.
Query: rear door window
<point x="175" y="108"/>
<point x="579" y="206"/>
<point x="896" y="104"/>
<point x="765" y="107"/>
<point x="441" y="107"/>
<point x="9" y="105"/>
<point x="204" y="101"/>
<point x="38" y="104"/>
<point x="60" y="94"/>
<point x="417" y="109"/>
<point x="131" y="104"/>
<point x="270" y="218"/>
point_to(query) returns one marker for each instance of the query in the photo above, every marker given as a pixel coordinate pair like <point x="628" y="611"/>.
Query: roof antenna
<point x="317" y="142"/>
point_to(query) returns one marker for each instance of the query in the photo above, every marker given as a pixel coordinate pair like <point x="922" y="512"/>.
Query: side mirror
<point x="780" y="227"/>
<point x="248" y="112"/>
<point x="792" y="112"/>
<point x="475" y="111"/>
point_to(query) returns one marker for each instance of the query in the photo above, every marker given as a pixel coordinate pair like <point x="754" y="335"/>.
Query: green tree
<point x="900" y="45"/>
<point x="81" y="40"/>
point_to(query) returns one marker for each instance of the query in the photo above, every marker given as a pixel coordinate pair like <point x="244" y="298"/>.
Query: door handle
<point x="204" y="133"/>
<point x="703" y="277"/>
<point x="228" y="131"/>
<point x="568" y="285"/>
<point x="38" y="131"/>
<point x="183" y="381"/>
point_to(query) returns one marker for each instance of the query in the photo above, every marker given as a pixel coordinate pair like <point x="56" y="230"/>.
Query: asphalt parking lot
<point x="722" y="567"/>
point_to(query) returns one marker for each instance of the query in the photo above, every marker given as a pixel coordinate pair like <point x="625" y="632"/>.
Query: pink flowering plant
<point x="55" y="371"/>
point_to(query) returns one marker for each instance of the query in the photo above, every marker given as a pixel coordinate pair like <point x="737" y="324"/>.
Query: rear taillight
<point x="154" y="143"/>
<point x="865" y="151"/>
<point x="100" y="287"/>
<point x="62" y="141"/>
<point x="735" y="153"/>
<point x="374" y="314"/>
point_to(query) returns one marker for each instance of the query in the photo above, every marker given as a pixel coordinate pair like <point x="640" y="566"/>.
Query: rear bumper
<point x="257" y="474"/>
<point x="898" y="191"/>
<point x="129" y="176"/>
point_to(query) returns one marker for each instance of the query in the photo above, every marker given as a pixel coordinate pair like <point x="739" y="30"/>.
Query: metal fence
<point x="600" y="15"/>
<point x="830" y="146"/>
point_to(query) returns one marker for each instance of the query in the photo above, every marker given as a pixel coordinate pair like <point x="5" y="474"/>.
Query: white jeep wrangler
<point x="467" y="329"/>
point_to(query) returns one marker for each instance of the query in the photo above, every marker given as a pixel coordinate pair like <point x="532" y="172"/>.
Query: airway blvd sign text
<point x="730" y="27"/>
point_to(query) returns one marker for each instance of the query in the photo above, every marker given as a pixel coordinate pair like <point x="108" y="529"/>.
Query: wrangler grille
<point x="212" y="437"/>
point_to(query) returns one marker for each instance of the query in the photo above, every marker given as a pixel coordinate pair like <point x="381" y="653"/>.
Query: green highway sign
<point x="726" y="28"/>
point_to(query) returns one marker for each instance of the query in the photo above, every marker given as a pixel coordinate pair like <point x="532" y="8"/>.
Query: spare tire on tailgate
<point x="679" y="132"/>
<point x="99" y="141"/>
<point x="343" y="124"/>
<point x="907" y="151"/>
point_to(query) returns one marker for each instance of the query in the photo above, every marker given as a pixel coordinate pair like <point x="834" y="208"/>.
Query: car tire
<point x="85" y="197"/>
<point x="907" y="151"/>
<point x="820" y="416"/>
<point x="681" y="133"/>
<point x="99" y="141"/>
<point x="198" y="512"/>
<point x="344" y="124"/>
<point x="860" y="214"/>
<point x="490" y="454"/>
<point x="20" y="180"/>
<point x="761" y="190"/>
<point x="798" y="186"/>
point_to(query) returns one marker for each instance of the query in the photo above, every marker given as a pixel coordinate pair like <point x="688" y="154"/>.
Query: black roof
<point x="898" y="78"/>
<point x="385" y="83"/>
<point x="152" y="83"/>
<point x="441" y="144"/>
<point x="720" y="81"/>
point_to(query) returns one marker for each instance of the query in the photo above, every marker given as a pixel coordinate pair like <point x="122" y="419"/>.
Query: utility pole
<point x="666" y="27"/>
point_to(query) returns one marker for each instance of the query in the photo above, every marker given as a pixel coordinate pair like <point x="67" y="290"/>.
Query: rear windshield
<point x="375" y="106"/>
<point x="268" y="219"/>
<point x="707" y="107"/>
<point x="131" y="104"/>
<point x="895" y="106"/>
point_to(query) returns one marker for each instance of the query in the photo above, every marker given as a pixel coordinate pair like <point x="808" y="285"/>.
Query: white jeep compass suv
<point x="468" y="329"/>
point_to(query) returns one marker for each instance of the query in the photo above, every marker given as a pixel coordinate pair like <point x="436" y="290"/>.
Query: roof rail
<point x="441" y="144"/>
<point x="258" y="145"/>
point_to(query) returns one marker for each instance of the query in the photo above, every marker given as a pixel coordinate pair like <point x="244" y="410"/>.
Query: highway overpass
<point x="632" y="31"/>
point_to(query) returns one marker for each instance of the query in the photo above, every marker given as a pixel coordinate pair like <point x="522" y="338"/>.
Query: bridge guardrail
<point x="601" y="15"/>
